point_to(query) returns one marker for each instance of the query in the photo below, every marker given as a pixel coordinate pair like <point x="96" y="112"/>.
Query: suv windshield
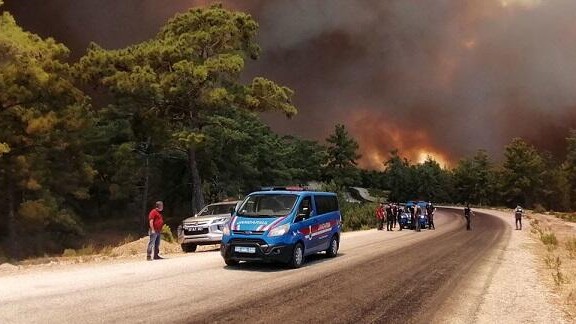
<point x="267" y="205"/>
<point x="217" y="209"/>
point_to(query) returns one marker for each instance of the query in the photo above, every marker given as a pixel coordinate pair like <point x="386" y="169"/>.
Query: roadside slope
<point x="507" y="289"/>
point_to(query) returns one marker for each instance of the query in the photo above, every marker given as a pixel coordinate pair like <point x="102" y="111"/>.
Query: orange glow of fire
<point x="379" y="135"/>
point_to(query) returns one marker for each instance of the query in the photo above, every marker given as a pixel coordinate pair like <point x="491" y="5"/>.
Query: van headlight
<point x="219" y="220"/>
<point x="280" y="230"/>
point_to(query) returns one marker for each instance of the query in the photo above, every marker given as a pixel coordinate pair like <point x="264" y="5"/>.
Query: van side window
<point x="305" y="207"/>
<point x="326" y="204"/>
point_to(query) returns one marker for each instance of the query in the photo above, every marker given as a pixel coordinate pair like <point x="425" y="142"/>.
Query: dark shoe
<point x="158" y="258"/>
<point x="148" y="258"/>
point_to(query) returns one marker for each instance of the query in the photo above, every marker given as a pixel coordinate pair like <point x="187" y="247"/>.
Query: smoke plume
<point x="440" y="78"/>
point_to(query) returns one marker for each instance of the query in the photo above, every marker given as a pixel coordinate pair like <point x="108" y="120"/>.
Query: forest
<point x="90" y="144"/>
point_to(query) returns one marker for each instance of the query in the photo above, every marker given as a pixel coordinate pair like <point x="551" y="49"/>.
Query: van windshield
<point x="267" y="205"/>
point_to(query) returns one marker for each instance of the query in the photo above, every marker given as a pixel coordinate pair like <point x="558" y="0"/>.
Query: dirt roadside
<point x="514" y="290"/>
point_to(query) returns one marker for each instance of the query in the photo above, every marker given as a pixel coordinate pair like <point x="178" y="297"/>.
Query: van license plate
<point x="244" y="249"/>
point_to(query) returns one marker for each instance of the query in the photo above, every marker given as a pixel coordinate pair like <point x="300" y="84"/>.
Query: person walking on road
<point x="389" y="217"/>
<point x="417" y="218"/>
<point x="380" y="216"/>
<point x="394" y="213"/>
<point x="399" y="216"/>
<point x="468" y="215"/>
<point x="430" y="209"/>
<point x="518" y="215"/>
<point x="155" y="223"/>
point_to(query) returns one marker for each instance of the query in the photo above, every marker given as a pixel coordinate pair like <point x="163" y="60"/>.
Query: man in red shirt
<point x="155" y="223"/>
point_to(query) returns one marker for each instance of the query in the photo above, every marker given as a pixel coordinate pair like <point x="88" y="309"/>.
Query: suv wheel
<point x="230" y="262"/>
<point x="333" y="248"/>
<point x="297" y="256"/>
<point x="188" y="247"/>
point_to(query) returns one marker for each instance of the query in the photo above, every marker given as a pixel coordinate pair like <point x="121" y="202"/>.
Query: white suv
<point x="206" y="227"/>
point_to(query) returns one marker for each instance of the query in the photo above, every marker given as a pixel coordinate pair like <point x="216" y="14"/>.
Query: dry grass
<point x="558" y="251"/>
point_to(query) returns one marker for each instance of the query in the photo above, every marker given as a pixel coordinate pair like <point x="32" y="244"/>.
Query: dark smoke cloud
<point x="440" y="77"/>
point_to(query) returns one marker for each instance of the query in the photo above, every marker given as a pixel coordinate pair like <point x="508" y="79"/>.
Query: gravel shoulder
<point x="509" y="288"/>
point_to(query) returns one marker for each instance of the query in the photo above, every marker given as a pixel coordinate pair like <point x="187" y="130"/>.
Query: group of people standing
<point x="391" y="214"/>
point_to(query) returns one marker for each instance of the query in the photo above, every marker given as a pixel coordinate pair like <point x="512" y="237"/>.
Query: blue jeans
<point x="154" y="244"/>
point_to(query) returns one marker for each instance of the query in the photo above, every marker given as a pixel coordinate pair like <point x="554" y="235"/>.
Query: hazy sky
<point x="433" y="77"/>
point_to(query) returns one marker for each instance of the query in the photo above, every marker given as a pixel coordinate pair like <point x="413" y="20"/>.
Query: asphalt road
<point x="379" y="276"/>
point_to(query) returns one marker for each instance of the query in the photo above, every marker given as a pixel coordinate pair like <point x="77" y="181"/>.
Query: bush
<point x="549" y="239"/>
<point x="167" y="234"/>
<point x="538" y="208"/>
<point x="69" y="253"/>
<point x="358" y="216"/>
<point x="571" y="247"/>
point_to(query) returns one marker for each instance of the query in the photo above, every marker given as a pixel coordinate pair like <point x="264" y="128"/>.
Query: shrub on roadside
<point x="538" y="208"/>
<point x="86" y="250"/>
<point x="69" y="253"/>
<point x="549" y="239"/>
<point x="167" y="234"/>
<point x="571" y="247"/>
<point x="358" y="216"/>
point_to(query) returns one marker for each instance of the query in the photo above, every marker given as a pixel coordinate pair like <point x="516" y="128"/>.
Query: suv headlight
<point x="226" y="229"/>
<point x="280" y="230"/>
<point x="219" y="220"/>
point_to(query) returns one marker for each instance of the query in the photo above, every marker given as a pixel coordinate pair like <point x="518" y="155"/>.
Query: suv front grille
<point x="203" y="231"/>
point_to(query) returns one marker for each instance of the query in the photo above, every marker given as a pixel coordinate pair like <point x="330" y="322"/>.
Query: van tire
<point x="297" y="256"/>
<point x="188" y="247"/>
<point x="332" y="250"/>
<point x="230" y="262"/>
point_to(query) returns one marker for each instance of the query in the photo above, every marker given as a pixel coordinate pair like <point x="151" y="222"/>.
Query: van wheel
<point x="297" y="256"/>
<point x="230" y="262"/>
<point x="188" y="247"/>
<point x="333" y="248"/>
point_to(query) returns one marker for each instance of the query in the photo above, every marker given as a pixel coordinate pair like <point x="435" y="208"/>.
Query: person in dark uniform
<point x="468" y="215"/>
<point x="395" y="213"/>
<point x="518" y="215"/>
<point x="417" y="218"/>
<point x="389" y="217"/>
<point x="412" y="212"/>
<point x="399" y="216"/>
<point x="430" y="213"/>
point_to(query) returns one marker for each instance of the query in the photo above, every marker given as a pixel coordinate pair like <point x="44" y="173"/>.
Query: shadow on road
<point x="277" y="267"/>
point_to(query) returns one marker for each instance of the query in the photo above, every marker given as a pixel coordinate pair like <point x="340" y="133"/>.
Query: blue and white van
<point x="282" y="226"/>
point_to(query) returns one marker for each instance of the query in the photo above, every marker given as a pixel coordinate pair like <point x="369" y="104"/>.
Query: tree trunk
<point x="144" y="214"/>
<point x="13" y="245"/>
<point x="197" y="197"/>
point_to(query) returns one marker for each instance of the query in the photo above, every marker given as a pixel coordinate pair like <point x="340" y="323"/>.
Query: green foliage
<point x="571" y="247"/>
<point x="44" y="172"/>
<point x="342" y="158"/>
<point x="522" y="174"/>
<point x="549" y="239"/>
<point x="185" y="78"/>
<point x="570" y="168"/>
<point x="474" y="179"/>
<point x="358" y="216"/>
<point x="69" y="253"/>
<point x="538" y="208"/>
<point x="167" y="234"/>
